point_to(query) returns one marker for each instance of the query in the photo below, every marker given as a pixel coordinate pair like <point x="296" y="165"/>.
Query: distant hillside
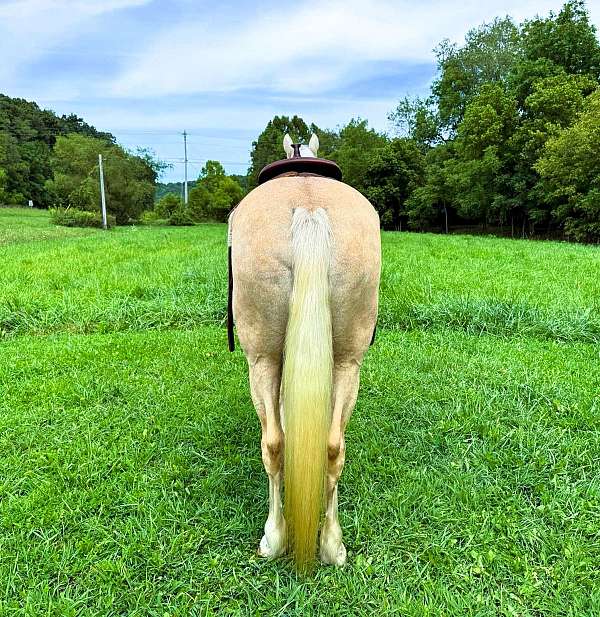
<point x="176" y="188"/>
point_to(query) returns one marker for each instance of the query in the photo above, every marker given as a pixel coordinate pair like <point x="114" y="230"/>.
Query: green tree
<point x="329" y="141"/>
<point x="391" y="174"/>
<point x="417" y="119"/>
<point x="568" y="40"/>
<point x="435" y="195"/>
<point x="558" y="99"/>
<point x="526" y="73"/>
<point x="211" y="175"/>
<point x="14" y="161"/>
<point x="357" y="146"/>
<point x="242" y="180"/>
<point x="268" y="147"/>
<point x="3" y="191"/>
<point x="478" y="172"/>
<point x="552" y="105"/>
<point x="199" y="203"/>
<point x="129" y="179"/>
<point x="214" y="194"/>
<point x="226" y="196"/>
<point x="570" y="171"/>
<point x="489" y="54"/>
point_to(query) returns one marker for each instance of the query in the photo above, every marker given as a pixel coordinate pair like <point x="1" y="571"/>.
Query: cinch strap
<point x="230" y="337"/>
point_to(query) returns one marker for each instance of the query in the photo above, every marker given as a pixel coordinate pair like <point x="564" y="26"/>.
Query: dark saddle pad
<point x="301" y="165"/>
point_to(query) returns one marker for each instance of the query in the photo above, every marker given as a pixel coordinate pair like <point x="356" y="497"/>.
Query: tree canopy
<point x="129" y="179"/>
<point x="570" y="171"/>
<point x="214" y="194"/>
<point x="27" y="136"/>
<point x="495" y="125"/>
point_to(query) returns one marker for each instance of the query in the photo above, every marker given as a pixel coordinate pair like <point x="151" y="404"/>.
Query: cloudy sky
<point x="145" y="70"/>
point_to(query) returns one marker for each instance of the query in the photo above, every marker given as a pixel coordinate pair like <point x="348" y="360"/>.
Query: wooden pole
<point x="185" y="163"/>
<point x="102" y="194"/>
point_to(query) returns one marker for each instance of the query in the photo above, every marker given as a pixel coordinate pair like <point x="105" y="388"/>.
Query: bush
<point x="166" y="206"/>
<point x="151" y="217"/>
<point x="214" y="195"/>
<point x="72" y="217"/>
<point x="181" y="217"/>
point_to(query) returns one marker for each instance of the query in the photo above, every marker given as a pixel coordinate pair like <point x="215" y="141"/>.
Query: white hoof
<point x="273" y="543"/>
<point x="332" y="549"/>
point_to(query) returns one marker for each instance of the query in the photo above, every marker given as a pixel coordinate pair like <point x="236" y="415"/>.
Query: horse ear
<point x="287" y="146"/>
<point x="313" y="144"/>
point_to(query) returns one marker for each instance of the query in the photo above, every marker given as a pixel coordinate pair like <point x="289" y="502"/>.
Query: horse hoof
<point x="333" y="555"/>
<point x="332" y="550"/>
<point x="272" y="546"/>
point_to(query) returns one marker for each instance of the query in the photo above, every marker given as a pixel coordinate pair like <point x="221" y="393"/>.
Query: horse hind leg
<point x="345" y="390"/>
<point x="265" y="380"/>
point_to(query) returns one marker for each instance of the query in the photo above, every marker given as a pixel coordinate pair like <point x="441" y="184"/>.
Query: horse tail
<point x="307" y="383"/>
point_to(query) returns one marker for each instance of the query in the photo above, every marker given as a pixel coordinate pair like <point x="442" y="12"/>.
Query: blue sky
<point x="145" y="70"/>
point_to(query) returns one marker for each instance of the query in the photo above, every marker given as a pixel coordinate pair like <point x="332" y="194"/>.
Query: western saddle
<point x="300" y="165"/>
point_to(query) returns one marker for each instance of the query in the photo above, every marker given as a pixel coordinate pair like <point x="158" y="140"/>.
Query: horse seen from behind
<point x="305" y="266"/>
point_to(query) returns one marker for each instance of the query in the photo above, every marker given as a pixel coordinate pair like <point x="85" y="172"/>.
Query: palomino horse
<point x="306" y="260"/>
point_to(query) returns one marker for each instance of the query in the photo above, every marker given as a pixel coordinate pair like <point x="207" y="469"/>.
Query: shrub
<point x="151" y="217"/>
<point x="181" y="217"/>
<point x="72" y="217"/>
<point x="166" y="206"/>
<point x="199" y="203"/>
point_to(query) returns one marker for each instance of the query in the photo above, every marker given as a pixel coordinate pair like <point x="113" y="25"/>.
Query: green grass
<point x="163" y="278"/>
<point x="131" y="481"/>
<point x="20" y="225"/>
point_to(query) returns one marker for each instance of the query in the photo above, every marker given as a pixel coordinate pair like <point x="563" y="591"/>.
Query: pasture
<point x="131" y="481"/>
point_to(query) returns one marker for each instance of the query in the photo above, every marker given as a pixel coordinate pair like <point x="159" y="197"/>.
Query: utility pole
<point x="102" y="194"/>
<point x="185" y="162"/>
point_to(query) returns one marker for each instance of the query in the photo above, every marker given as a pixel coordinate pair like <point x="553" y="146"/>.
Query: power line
<point x="201" y="161"/>
<point x="162" y="132"/>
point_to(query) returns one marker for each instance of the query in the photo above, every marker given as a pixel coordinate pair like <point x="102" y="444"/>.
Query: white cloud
<point x="314" y="47"/>
<point x="29" y="29"/>
<point x="124" y="116"/>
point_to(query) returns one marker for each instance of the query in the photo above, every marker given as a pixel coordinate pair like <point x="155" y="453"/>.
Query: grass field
<point x="131" y="481"/>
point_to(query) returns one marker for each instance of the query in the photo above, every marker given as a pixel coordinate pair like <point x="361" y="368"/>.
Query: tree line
<point x="510" y="134"/>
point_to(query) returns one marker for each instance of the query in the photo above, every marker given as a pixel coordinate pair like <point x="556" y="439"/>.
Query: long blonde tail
<point x="307" y="383"/>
